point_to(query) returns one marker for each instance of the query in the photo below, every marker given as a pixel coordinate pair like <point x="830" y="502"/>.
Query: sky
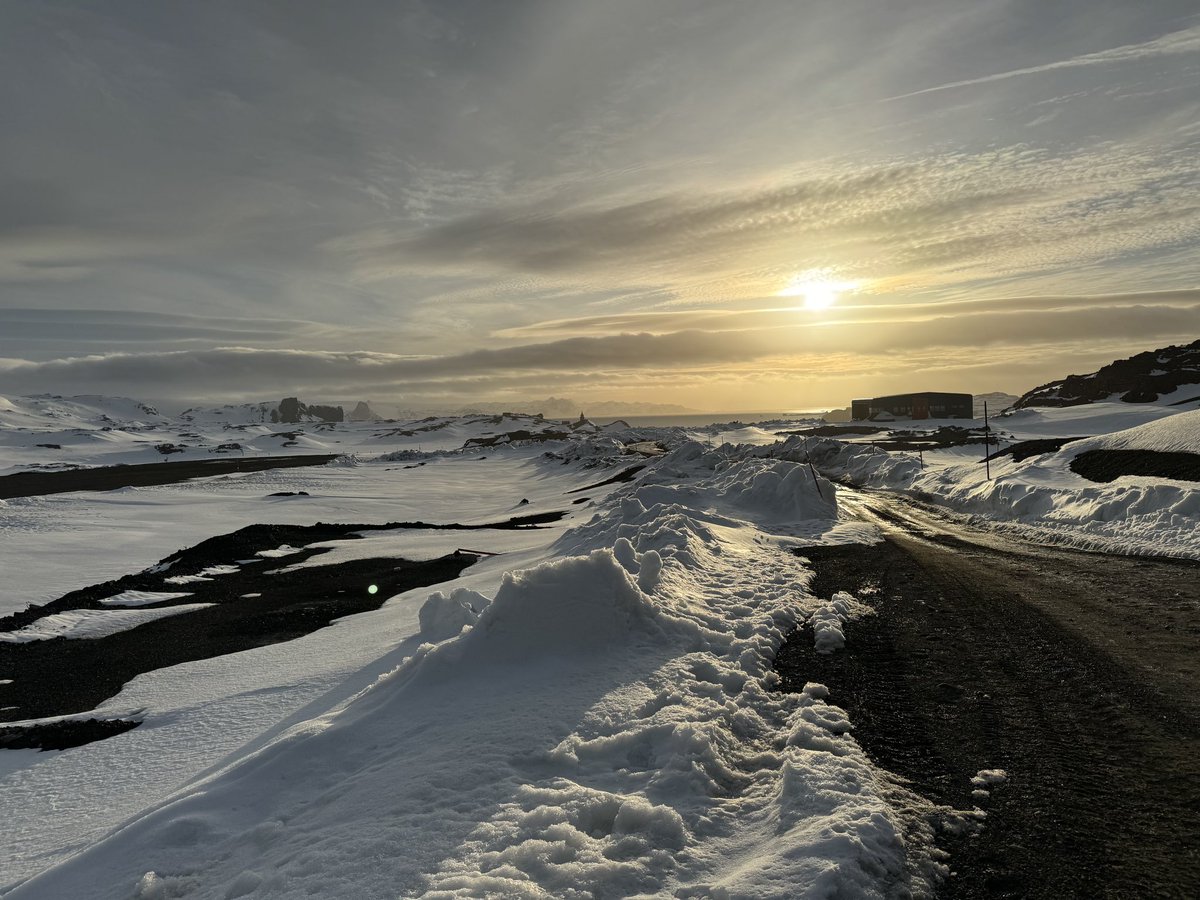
<point x="726" y="206"/>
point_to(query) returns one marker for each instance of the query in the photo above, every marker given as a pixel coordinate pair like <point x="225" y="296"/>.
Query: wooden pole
<point x="812" y="470"/>
<point x="987" y="442"/>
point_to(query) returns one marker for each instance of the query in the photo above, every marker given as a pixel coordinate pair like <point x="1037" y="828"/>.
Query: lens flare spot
<point x="373" y="589"/>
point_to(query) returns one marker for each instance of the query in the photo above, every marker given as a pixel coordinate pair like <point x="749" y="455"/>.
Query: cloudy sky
<point x="729" y="206"/>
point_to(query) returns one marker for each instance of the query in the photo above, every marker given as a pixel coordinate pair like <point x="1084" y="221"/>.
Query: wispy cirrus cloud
<point x="1183" y="41"/>
<point x="950" y="222"/>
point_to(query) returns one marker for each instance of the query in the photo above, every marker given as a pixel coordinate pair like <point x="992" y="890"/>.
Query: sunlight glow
<point x="818" y="291"/>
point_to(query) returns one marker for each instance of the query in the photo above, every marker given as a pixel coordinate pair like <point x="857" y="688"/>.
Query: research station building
<point x="923" y="405"/>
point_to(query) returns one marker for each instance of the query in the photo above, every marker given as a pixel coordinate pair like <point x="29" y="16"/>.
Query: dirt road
<point x="1077" y="673"/>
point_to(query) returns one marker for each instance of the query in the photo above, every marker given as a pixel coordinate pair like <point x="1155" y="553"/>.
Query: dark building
<point x="922" y="405"/>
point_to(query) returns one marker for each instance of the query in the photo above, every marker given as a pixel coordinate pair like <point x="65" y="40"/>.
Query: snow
<point x="606" y="725"/>
<point x="141" y="598"/>
<point x="55" y="544"/>
<point x="1086" y="419"/>
<point x="1174" y="434"/>
<point x="828" y="619"/>
<point x="443" y="617"/>
<point x="277" y="552"/>
<point x="1040" y="496"/>
<point x="92" y="623"/>
<point x="589" y="712"/>
<point x="988" y="777"/>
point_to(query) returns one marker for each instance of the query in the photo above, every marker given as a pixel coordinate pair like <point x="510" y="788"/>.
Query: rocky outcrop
<point x="291" y="411"/>
<point x="363" y="413"/>
<point x="1140" y="379"/>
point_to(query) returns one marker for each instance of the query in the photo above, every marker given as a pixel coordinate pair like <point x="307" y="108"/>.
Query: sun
<point x="818" y="293"/>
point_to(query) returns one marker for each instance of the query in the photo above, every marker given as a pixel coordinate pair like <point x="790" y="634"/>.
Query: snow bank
<point x="1130" y="515"/>
<point x="443" y="617"/>
<point x="765" y="490"/>
<point x="828" y="618"/>
<point x="606" y="725"/>
<point x="860" y="464"/>
<point x="1041" y="495"/>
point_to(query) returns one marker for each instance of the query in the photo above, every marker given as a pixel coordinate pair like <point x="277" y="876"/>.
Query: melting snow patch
<point x="141" y="598"/>
<point x="224" y="569"/>
<point x="92" y="623"/>
<point x="285" y="550"/>
<point x="989" y="777"/>
<point x="985" y="780"/>
<point x="828" y="618"/>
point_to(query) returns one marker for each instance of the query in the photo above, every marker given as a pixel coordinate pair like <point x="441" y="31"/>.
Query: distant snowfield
<point x="589" y="712"/>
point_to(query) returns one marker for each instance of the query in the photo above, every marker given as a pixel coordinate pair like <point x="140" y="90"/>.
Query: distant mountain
<point x="997" y="401"/>
<point x="1143" y="378"/>
<point x="363" y="412"/>
<point x="837" y="415"/>
<point x="564" y="408"/>
<point x="289" y="410"/>
<point x="231" y="413"/>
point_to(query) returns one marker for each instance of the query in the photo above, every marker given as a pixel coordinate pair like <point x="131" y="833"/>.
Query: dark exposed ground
<point x="62" y="735"/>
<point x="622" y="477"/>
<point x="1109" y="465"/>
<point x="107" y="478"/>
<point x="1077" y="673"/>
<point x="61" y="677"/>
<point x="1023" y="450"/>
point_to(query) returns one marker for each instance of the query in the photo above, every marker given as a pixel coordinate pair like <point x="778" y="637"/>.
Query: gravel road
<point x="1078" y="673"/>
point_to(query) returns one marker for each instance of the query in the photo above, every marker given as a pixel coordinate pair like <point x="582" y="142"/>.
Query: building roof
<point x="930" y="395"/>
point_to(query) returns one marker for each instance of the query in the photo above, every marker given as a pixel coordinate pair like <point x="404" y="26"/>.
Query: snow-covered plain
<point x="588" y="713"/>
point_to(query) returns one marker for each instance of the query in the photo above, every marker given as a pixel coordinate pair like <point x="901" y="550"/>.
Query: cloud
<point x="253" y="372"/>
<point x="1186" y="40"/>
<point x="948" y="221"/>
<point x="849" y="311"/>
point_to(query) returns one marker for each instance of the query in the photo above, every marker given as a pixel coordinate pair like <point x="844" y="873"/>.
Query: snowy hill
<point x="51" y="412"/>
<point x="233" y="414"/>
<point x="288" y="411"/>
<point x="1170" y="375"/>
